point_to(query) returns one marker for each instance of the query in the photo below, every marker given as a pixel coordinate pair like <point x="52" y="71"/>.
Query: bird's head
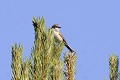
<point x="56" y="27"/>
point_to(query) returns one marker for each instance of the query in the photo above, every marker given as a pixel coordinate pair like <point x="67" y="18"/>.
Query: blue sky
<point x="91" y="27"/>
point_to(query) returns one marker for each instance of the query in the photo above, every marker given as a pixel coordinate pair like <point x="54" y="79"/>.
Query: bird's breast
<point x="57" y="36"/>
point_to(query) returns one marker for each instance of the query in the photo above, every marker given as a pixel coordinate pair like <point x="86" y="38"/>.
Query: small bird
<point x="59" y="36"/>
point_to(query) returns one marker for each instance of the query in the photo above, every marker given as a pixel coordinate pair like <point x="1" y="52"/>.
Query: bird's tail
<point x="69" y="48"/>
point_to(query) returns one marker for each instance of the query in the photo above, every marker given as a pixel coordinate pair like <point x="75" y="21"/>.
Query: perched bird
<point x="59" y="36"/>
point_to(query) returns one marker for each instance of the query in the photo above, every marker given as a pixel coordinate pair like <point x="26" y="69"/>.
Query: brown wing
<point x="63" y="38"/>
<point x="66" y="43"/>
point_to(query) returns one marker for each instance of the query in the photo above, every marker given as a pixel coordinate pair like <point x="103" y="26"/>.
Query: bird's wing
<point x="66" y="42"/>
<point x="62" y="37"/>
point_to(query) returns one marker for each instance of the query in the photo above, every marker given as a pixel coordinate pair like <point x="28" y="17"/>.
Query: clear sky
<point x="91" y="27"/>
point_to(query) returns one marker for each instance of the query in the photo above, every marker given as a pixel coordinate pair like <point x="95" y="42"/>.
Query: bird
<point x="59" y="36"/>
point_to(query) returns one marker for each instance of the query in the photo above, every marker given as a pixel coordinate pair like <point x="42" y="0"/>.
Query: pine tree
<point x="45" y="62"/>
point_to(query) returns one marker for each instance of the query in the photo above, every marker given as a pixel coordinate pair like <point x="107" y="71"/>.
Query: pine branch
<point x="113" y="63"/>
<point x="26" y="70"/>
<point x="70" y="63"/>
<point x="16" y="61"/>
<point x="46" y="52"/>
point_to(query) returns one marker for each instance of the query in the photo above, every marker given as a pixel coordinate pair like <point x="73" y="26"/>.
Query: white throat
<point x="57" y="34"/>
<point x="57" y="29"/>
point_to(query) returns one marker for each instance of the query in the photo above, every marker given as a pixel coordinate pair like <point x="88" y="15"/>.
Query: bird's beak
<point x="59" y="27"/>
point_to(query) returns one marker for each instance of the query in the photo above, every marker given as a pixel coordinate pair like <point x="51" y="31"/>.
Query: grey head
<point x="56" y="26"/>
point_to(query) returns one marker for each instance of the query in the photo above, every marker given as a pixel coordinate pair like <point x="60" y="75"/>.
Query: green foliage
<point x="21" y="70"/>
<point x="25" y="75"/>
<point x="17" y="61"/>
<point x="70" y="63"/>
<point x="113" y="63"/>
<point x="46" y="52"/>
<point x="45" y="62"/>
